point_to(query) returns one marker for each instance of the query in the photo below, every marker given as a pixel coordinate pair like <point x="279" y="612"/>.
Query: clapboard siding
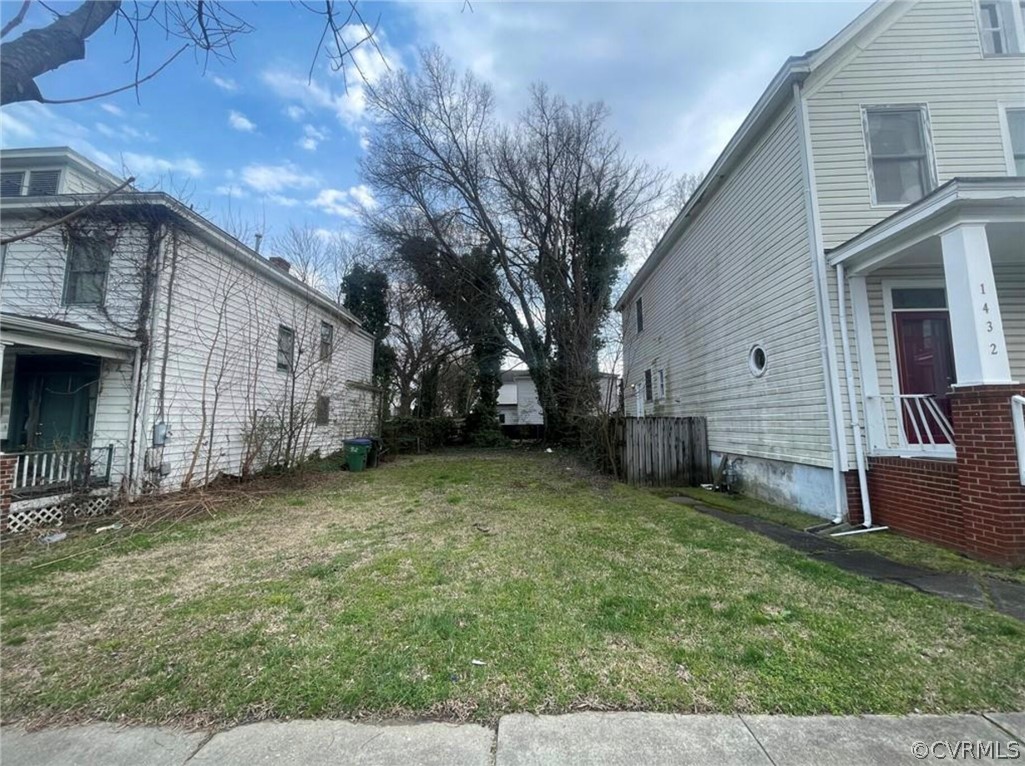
<point x="112" y="415"/>
<point x="33" y="280"/>
<point x="929" y="55"/>
<point x="222" y="328"/>
<point x="740" y="274"/>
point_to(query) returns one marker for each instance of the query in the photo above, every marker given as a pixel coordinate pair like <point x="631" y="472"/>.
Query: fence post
<point x="8" y="465"/>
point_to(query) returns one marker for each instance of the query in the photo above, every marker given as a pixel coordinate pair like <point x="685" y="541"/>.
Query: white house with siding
<point x="519" y="405"/>
<point x="848" y="282"/>
<point x="145" y="349"/>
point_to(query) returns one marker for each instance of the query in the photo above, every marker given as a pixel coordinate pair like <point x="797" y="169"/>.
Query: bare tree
<point x="550" y="198"/>
<point x="425" y="345"/>
<point x="208" y="28"/>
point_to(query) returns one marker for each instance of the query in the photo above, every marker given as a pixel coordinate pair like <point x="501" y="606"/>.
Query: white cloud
<point x="147" y="164"/>
<point x="345" y="203"/>
<point x="270" y="179"/>
<point x="311" y="138"/>
<point x="281" y="199"/>
<point x="12" y="127"/>
<point x="224" y="83"/>
<point x="343" y="93"/>
<point x="240" y="122"/>
<point x="231" y="190"/>
<point x="295" y="112"/>
<point x="112" y="109"/>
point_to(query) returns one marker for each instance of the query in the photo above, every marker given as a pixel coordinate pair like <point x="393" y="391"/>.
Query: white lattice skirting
<point x="52" y="511"/>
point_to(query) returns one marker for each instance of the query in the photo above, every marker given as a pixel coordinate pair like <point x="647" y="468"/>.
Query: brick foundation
<point x="992" y="496"/>
<point x="8" y="464"/>
<point x="975" y="504"/>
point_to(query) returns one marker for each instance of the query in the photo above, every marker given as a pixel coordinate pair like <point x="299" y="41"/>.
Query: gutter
<point x="859" y="452"/>
<point x="837" y="440"/>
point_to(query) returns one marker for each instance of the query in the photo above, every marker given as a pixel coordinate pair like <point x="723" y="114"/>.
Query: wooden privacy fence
<point x="665" y="451"/>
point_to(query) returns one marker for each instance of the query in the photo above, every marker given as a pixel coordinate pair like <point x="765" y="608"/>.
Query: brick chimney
<point x="280" y="264"/>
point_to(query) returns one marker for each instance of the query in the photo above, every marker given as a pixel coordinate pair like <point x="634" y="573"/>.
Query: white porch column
<point x="980" y="351"/>
<point x="874" y="423"/>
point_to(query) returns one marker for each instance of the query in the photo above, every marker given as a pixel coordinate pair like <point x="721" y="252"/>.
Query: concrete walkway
<point x="982" y="591"/>
<point x="613" y="739"/>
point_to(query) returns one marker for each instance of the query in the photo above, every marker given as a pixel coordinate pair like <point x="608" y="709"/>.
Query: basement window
<point x="757" y="360"/>
<point x="323" y="411"/>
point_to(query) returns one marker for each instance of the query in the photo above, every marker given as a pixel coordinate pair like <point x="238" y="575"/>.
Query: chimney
<point x="259" y="238"/>
<point x="280" y="263"/>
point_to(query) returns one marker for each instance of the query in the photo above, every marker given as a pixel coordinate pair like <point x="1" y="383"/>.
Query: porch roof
<point x="63" y="336"/>
<point x="983" y="200"/>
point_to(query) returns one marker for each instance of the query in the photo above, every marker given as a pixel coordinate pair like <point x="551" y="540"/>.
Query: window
<point x="86" y="276"/>
<point x="501" y="418"/>
<point x="10" y="183"/>
<point x="919" y="297"/>
<point x="322" y="414"/>
<point x="1000" y="27"/>
<point x="647" y="386"/>
<point x="899" y="160"/>
<point x="43" y="183"/>
<point x="639" y="308"/>
<point x="327" y="340"/>
<point x="661" y="393"/>
<point x="1014" y="140"/>
<point x="757" y="360"/>
<point x="286" y="347"/>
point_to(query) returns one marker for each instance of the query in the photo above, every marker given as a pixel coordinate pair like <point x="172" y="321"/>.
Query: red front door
<point x="925" y="365"/>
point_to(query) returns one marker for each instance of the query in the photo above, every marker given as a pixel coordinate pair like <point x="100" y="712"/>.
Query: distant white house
<point x="518" y="404"/>
<point x="145" y="349"/>
<point x="843" y="297"/>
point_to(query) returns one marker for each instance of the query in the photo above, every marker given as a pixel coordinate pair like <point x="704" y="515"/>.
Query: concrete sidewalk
<point x="627" y="739"/>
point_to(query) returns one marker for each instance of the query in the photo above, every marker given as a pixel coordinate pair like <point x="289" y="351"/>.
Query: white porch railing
<point x="1018" y="418"/>
<point x="910" y="424"/>
<point x="63" y="468"/>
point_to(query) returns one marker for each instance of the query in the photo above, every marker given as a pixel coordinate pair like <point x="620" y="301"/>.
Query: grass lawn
<point x="890" y="544"/>
<point x="374" y="593"/>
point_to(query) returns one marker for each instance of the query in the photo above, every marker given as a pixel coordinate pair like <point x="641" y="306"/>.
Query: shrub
<point x="408" y="434"/>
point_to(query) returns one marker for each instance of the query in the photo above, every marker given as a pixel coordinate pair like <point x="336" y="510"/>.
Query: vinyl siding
<point x="222" y="330"/>
<point x="740" y="274"/>
<point x="929" y="55"/>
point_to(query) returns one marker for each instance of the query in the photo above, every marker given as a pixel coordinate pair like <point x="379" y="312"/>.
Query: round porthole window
<point x="756" y="361"/>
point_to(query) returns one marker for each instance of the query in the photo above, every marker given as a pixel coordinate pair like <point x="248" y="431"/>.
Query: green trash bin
<point x="356" y="451"/>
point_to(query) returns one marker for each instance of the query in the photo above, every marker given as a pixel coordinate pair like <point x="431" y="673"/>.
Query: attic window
<point x="43" y="183"/>
<point x="10" y="183"/>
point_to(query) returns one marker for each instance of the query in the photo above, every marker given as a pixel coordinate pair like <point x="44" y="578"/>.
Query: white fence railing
<point x="1018" y="418"/>
<point x="911" y="423"/>
<point x="63" y="468"/>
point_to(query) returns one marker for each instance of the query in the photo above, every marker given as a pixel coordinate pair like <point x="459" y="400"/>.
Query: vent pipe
<point x="259" y="238"/>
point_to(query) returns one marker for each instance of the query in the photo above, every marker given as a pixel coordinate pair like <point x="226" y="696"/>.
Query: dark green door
<point x="52" y="402"/>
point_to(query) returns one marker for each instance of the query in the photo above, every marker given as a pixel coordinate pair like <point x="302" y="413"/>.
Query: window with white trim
<point x="648" y="388"/>
<point x="660" y="389"/>
<point x="11" y="182"/>
<point x="1014" y="140"/>
<point x="1000" y="27"/>
<point x="286" y="348"/>
<point x="85" y="279"/>
<point x="639" y="309"/>
<point x="327" y="341"/>
<point x="899" y="154"/>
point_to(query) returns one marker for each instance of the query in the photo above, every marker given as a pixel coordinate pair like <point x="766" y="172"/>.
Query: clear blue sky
<point x="252" y="140"/>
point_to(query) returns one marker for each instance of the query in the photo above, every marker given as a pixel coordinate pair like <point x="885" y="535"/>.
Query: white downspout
<point x="831" y="386"/>
<point x="859" y="452"/>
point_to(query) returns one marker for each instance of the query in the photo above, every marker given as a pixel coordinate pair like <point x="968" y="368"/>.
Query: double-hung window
<point x="322" y="411"/>
<point x="1014" y="139"/>
<point x="286" y="348"/>
<point x="899" y="154"/>
<point x="639" y="308"/>
<point x="86" y="276"/>
<point x="327" y="340"/>
<point x="648" y="388"/>
<point x="1000" y="27"/>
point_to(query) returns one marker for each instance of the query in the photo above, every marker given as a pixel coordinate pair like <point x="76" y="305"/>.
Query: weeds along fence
<point x="662" y="452"/>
